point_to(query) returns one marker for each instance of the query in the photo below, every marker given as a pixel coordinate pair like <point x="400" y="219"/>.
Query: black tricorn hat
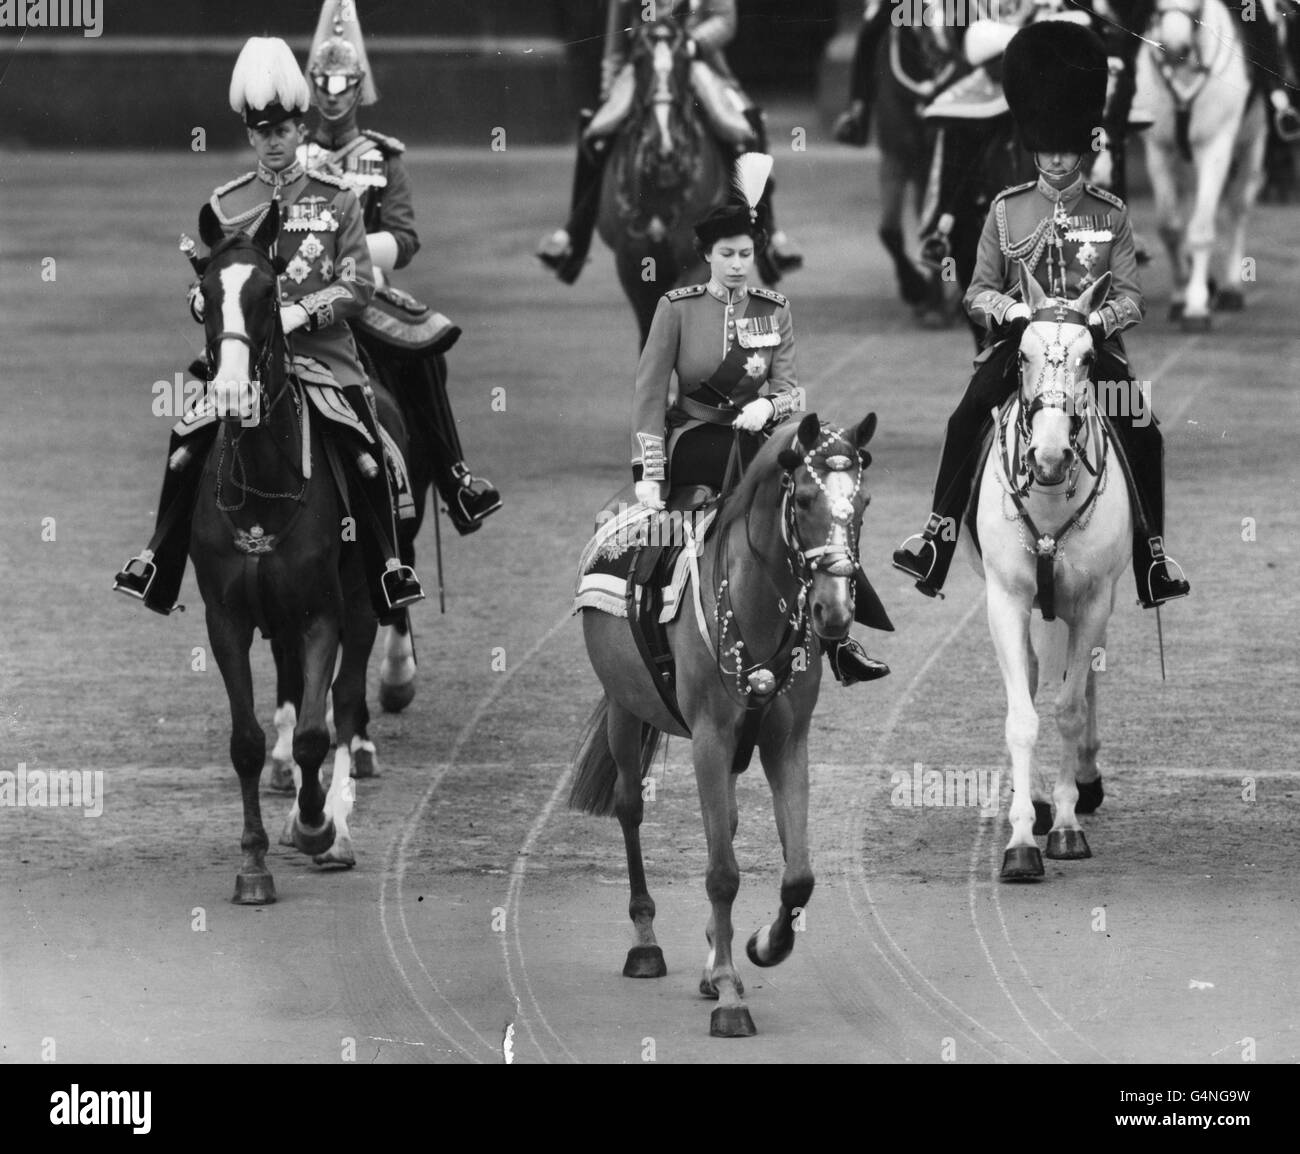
<point x="1054" y="76"/>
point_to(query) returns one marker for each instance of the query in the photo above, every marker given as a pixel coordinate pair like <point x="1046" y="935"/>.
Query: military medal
<point x="298" y="269"/>
<point x="756" y="367"/>
<point x="311" y="247"/>
<point x="310" y="213"/>
<point x="326" y="267"/>
<point x="757" y="332"/>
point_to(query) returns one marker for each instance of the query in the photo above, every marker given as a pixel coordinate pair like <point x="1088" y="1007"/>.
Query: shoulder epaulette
<point x="387" y="143"/>
<point x="238" y="182"/>
<point x="690" y="290"/>
<point x="769" y="294"/>
<point x="322" y="177"/>
<point x="1015" y="188"/>
<point x="1104" y="194"/>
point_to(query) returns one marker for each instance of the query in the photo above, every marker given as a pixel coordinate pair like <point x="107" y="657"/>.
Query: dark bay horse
<point x="267" y="547"/>
<point x="665" y="171"/>
<point x="773" y="575"/>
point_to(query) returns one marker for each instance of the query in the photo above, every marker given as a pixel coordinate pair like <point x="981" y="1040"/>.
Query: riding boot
<point x="781" y="255"/>
<point x="912" y="285"/>
<point x="566" y="250"/>
<point x="1264" y="55"/>
<point x="1153" y="571"/>
<point x="850" y="663"/>
<point x="155" y="575"/>
<point x="992" y="383"/>
<point x="853" y="126"/>
<point x="393" y="585"/>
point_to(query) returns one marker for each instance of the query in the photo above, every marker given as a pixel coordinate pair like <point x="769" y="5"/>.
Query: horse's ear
<point x="268" y="232"/>
<point x="1031" y="292"/>
<point x="789" y="460"/>
<point x="1094" y="296"/>
<point x="210" y="231"/>
<point x="866" y="430"/>
<point x="810" y="428"/>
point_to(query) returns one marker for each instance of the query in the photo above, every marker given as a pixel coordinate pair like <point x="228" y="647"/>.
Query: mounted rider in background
<point x="404" y="339"/>
<point x="710" y="26"/>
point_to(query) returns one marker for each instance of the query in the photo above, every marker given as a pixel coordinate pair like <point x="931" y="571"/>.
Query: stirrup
<point x="927" y="536"/>
<point x="136" y="583"/>
<point x="1287" y="123"/>
<point x="552" y="252"/>
<point x="1179" y="586"/>
<point x="400" y="585"/>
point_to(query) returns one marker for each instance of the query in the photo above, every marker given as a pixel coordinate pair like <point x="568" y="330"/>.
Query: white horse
<point x="1195" y="80"/>
<point x="1055" y="529"/>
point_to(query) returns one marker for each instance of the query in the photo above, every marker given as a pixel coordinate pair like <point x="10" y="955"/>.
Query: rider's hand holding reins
<point x="647" y="494"/>
<point x="294" y="317"/>
<point x="755" y="415"/>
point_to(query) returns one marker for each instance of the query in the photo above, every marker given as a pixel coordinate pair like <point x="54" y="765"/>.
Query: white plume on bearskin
<point x="339" y="21"/>
<point x="752" y="171"/>
<point x="266" y="72"/>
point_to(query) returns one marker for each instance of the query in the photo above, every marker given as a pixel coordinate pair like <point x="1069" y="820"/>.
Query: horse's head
<point x="823" y="501"/>
<point x="1055" y="362"/>
<point x="241" y="317"/>
<point x="1174" y="27"/>
<point x="661" y="64"/>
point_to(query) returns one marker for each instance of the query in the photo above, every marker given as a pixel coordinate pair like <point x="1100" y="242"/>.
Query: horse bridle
<point x="1195" y="63"/>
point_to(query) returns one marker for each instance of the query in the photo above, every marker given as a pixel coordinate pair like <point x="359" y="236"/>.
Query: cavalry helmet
<point x="1054" y="76"/>
<point x="266" y="87"/>
<point x="337" y="59"/>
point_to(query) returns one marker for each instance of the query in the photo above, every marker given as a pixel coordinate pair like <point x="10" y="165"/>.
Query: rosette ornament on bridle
<point x="835" y="461"/>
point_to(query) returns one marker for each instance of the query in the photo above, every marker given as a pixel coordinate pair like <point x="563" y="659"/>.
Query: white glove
<point x="1016" y="312"/>
<point x="647" y="494"/>
<point x="195" y="297"/>
<point x="1094" y="320"/>
<point x="293" y="317"/>
<point x="755" y="415"/>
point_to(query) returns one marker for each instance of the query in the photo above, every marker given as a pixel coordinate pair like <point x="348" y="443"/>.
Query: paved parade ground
<point x="480" y="909"/>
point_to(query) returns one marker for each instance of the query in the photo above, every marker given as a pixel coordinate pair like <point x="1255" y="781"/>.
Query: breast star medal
<point x="755" y="366"/>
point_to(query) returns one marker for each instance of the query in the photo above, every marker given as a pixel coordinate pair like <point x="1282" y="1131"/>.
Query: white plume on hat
<point x="339" y="21"/>
<point x="752" y="171"/>
<point x="266" y="73"/>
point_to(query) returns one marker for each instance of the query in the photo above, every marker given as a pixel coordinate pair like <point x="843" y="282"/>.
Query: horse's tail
<point x="597" y="772"/>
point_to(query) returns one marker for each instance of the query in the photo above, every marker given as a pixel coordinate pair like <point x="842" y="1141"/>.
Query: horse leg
<point x="913" y="287"/>
<point x="231" y="639"/>
<point x="623" y="729"/>
<point x="350" y="711"/>
<point x="1240" y="196"/>
<point x="310" y="827"/>
<point x="1212" y="163"/>
<point x="1161" y="170"/>
<point x="1009" y="625"/>
<point x="713" y="748"/>
<point x="1086" y="774"/>
<point x="288" y="691"/>
<point x="785" y="762"/>
<point x="397" y="671"/>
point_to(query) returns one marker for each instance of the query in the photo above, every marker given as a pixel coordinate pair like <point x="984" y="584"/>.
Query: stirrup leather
<point x="148" y="571"/>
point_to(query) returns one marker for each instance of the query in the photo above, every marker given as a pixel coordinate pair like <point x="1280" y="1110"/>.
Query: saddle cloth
<point x="604" y="567"/>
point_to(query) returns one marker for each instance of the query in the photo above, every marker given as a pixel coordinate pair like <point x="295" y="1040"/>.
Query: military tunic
<point x="693" y="330"/>
<point x="1095" y="235"/>
<point x="323" y="243"/>
<point x="371" y="165"/>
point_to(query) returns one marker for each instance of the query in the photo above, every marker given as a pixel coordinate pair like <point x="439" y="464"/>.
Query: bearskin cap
<point x="1054" y="76"/>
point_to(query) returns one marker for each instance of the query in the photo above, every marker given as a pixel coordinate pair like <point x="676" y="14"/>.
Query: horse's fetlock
<point x="641" y="909"/>
<point x="310" y="746"/>
<point x="796" y="890"/>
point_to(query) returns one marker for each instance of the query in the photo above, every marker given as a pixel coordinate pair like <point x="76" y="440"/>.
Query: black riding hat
<point x="1054" y="76"/>
<point x="744" y="212"/>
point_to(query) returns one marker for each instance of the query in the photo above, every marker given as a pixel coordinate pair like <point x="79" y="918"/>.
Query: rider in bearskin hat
<point x="404" y="339"/>
<point x="1068" y="233"/>
<point x="327" y="279"/>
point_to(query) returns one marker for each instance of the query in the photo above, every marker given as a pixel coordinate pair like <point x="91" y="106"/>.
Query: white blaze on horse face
<point x="1052" y="362"/>
<point x="663" y="93"/>
<point x="231" y="383"/>
<point x="1176" y="30"/>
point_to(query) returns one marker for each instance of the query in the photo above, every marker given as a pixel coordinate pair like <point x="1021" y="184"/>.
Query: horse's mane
<point x="237" y="240"/>
<point x="764" y="469"/>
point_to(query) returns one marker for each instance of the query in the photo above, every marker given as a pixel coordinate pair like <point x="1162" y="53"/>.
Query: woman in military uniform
<point x="327" y="278"/>
<point x="1069" y="233"/>
<point x="370" y="164"/>
<point x="684" y="438"/>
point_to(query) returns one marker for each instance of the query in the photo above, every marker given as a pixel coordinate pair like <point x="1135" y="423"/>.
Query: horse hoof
<point x="281" y="779"/>
<point x="1042" y="818"/>
<point x="1090" y="796"/>
<point x="313" y="843"/>
<point x="1176" y="311"/>
<point x="363" y="763"/>
<point x="646" y="962"/>
<point x="1196" y="324"/>
<point x="395" y="698"/>
<point x="731" y="1022"/>
<point x="1230" y="301"/>
<point x="773" y="958"/>
<point x="1022" y="864"/>
<point x="339" y="854"/>
<point x="1067" y="845"/>
<point x="254" y="889"/>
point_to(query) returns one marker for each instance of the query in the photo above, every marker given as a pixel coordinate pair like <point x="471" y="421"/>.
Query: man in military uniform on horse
<point x="1068" y="233"/>
<point x="326" y="279"/>
<point x="404" y="339"/>
<point x="710" y="26"/>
